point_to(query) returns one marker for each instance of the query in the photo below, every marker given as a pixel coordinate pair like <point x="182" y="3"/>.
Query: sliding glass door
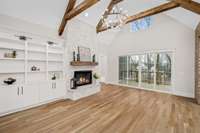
<point x="123" y="72"/>
<point x="163" y="70"/>
<point x="133" y="70"/>
<point x="149" y="70"/>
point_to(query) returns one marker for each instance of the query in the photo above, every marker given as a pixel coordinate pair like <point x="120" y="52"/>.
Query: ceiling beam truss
<point x="106" y="13"/>
<point x="186" y="4"/>
<point x="72" y="11"/>
<point x="70" y="6"/>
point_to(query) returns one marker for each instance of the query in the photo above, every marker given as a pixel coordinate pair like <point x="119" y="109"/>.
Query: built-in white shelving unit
<point x="47" y="57"/>
<point x="18" y="56"/>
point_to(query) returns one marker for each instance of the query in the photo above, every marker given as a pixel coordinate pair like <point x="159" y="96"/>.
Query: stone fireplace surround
<point x="83" y="90"/>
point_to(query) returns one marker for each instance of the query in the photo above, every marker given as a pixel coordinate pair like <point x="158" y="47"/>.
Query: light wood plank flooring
<point x="114" y="110"/>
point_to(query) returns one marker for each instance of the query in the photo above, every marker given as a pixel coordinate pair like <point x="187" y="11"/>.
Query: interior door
<point x="9" y="98"/>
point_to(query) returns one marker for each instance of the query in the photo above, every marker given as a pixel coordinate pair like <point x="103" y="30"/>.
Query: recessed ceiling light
<point x="86" y="14"/>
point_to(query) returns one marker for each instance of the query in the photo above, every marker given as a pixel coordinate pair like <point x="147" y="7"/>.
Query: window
<point x="150" y="70"/>
<point x="141" y="24"/>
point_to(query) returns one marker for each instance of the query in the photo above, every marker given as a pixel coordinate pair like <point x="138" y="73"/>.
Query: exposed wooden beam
<point x="80" y="8"/>
<point x="189" y="5"/>
<point x="101" y="29"/>
<point x="153" y="11"/>
<point x="108" y="10"/>
<point x="70" y="6"/>
<point x="72" y="12"/>
<point x="150" y="12"/>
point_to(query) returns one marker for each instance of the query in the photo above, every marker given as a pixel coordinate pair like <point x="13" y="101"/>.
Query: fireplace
<point x="83" y="78"/>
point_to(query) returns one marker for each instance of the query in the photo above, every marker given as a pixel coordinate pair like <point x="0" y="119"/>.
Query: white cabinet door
<point x="45" y="92"/>
<point x="9" y="98"/>
<point x="30" y="94"/>
<point x="60" y="90"/>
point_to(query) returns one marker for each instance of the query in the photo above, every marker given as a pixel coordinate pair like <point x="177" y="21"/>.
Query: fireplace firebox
<point x="82" y="78"/>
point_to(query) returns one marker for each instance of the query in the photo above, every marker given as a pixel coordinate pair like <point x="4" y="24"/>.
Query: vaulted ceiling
<point x="50" y="12"/>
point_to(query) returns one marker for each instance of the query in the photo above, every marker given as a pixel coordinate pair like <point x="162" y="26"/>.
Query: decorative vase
<point x="78" y="57"/>
<point x="14" y="54"/>
<point x="74" y="56"/>
<point x="54" y="77"/>
<point x="33" y="68"/>
<point x="93" y="58"/>
<point x="9" y="81"/>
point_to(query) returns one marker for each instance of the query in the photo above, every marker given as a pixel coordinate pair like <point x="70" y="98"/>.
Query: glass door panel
<point x="163" y="71"/>
<point x="133" y="70"/>
<point x="123" y="73"/>
<point x="147" y="71"/>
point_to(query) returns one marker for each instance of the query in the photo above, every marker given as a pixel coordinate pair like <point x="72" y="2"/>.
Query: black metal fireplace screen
<point x="82" y="78"/>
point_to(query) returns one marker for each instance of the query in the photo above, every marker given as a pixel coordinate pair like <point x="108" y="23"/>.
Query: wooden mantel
<point x="83" y="63"/>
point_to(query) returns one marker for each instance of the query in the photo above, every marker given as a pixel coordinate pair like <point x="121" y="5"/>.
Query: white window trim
<point x="172" y="89"/>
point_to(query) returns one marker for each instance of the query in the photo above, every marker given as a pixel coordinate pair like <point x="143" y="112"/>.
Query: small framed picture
<point x="85" y="53"/>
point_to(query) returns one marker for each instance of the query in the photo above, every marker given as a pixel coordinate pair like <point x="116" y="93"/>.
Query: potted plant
<point x="96" y="77"/>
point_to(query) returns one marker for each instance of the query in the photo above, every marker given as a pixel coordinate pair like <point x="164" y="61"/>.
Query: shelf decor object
<point x="78" y="57"/>
<point x="94" y="58"/>
<point x="74" y="56"/>
<point x="30" y="59"/>
<point x="31" y="72"/>
<point x="83" y="63"/>
<point x="84" y="53"/>
<point x="9" y="81"/>
<point x="34" y="69"/>
<point x="10" y="55"/>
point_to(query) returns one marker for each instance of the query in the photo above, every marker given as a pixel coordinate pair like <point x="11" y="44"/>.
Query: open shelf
<point x="20" y="49"/>
<point x="13" y="59"/>
<point x="6" y="40"/>
<point x="36" y="60"/>
<point x="83" y="63"/>
<point x="36" y="51"/>
<point x="36" y="71"/>
<point x="55" y="61"/>
<point x="12" y="72"/>
<point x="52" y="52"/>
<point x="29" y="53"/>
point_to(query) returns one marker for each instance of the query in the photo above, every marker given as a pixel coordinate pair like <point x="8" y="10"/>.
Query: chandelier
<point x="115" y="18"/>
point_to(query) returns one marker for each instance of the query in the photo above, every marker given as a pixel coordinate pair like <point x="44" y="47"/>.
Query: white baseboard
<point x="184" y="94"/>
<point x="177" y="93"/>
<point x="29" y="107"/>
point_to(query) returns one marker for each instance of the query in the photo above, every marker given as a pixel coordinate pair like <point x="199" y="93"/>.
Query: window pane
<point x="133" y="70"/>
<point x="147" y="71"/>
<point x="141" y="24"/>
<point x="152" y="70"/>
<point x="163" y="71"/>
<point x="123" y="69"/>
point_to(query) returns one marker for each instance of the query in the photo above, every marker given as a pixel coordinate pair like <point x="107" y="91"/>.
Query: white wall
<point x="164" y="34"/>
<point x="15" y="25"/>
<point x="79" y="33"/>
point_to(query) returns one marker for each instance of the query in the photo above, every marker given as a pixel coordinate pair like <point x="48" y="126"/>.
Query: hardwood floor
<point x="114" y="110"/>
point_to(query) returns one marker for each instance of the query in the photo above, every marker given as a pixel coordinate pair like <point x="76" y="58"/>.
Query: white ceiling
<point x="50" y="12"/>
